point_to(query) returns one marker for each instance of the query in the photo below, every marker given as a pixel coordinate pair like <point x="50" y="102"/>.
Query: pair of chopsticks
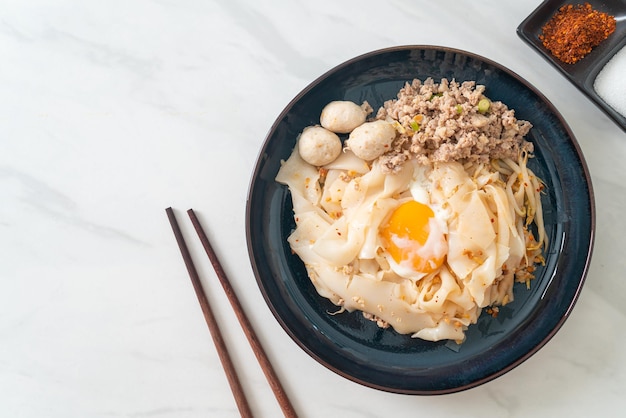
<point x="227" y="364"/>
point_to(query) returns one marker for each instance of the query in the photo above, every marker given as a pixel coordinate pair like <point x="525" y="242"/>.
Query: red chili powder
<point x="575" y="30"/>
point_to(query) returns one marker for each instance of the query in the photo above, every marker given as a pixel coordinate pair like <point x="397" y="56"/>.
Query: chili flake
<point x="575" y="30"/>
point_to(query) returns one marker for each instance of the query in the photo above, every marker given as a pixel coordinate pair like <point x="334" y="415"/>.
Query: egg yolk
<point x="406" y="234"/>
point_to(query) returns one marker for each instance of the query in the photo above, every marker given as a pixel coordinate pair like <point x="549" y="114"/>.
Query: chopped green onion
<point x="483" y="105"/>
<point x="399" y="127"/>
<point x="415" y="126"/>
<point x="459" y="109"/>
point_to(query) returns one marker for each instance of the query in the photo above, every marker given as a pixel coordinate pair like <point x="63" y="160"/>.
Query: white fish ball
<point x="342" y="116"/>
<point x="371" y="139"/>
<point x="319" y="146"/>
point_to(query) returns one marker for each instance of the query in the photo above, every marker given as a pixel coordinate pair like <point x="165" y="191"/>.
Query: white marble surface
<point x="112" y="111"/>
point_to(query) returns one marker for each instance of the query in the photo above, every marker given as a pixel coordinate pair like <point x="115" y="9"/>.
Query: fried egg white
<point x="414" y="235"/>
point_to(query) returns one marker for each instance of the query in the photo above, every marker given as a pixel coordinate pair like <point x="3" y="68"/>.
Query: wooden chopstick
<point x="258" y="350"/>
<point x="222" y="351"/>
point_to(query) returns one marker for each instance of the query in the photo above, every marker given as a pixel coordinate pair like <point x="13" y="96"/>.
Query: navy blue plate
<point x="356" y="348"/>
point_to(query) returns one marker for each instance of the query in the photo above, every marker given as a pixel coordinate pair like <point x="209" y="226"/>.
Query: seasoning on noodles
<point x="575" y="30"/>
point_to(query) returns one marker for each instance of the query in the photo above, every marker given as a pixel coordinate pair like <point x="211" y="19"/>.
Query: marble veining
<point x="113" y="111"/>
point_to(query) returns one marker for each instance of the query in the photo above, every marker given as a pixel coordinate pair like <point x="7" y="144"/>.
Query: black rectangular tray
<point x="584" y="72"/>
